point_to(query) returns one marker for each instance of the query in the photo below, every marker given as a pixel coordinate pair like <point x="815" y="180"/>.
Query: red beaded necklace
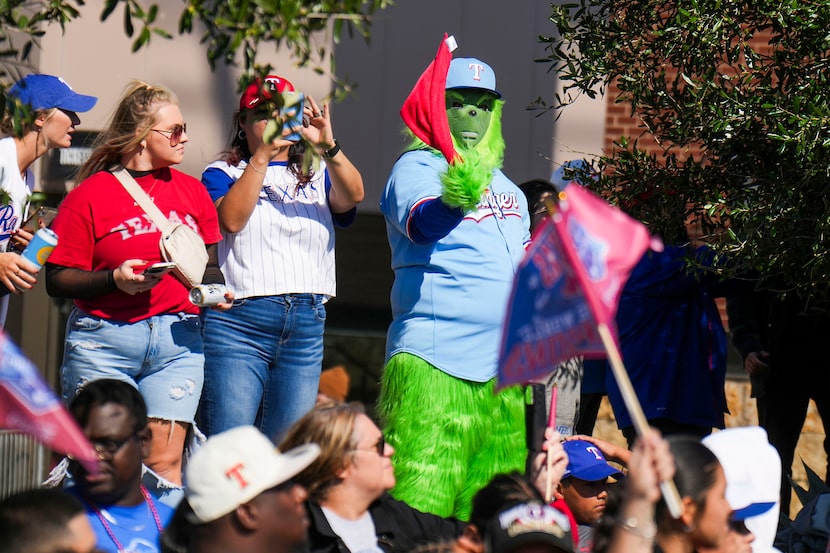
<point x="147" y="498"/>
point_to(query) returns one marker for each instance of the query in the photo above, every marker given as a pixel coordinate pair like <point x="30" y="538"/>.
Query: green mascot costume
<point x="457" y="228"/>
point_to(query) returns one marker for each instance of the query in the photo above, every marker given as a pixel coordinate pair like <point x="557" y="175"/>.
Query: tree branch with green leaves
<point x="735" y="96"/>
<point x="235" y="31"/>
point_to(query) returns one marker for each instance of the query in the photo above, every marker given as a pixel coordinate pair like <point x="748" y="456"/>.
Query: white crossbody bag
<point x="179" y="243"/>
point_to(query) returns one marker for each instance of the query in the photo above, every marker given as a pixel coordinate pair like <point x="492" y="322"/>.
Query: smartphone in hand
<point x="40" y="218"/>
<point x="159" y="268"/>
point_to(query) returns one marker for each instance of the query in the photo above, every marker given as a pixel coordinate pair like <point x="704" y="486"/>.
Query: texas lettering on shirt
<point x="143" y="224"/>
<point x="500" y="205"/>
<point x="288" y="193"/>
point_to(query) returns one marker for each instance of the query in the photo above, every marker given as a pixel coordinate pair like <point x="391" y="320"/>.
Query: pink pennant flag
<point x="602" y="244"/>
<point x="28" y="405"/>
<point x="569" y="282"/>
<point x="425" y="109"/>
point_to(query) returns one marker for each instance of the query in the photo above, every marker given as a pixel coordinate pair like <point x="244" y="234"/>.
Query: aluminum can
<point x="207" y="295"/>
<point x="41" y="246"/>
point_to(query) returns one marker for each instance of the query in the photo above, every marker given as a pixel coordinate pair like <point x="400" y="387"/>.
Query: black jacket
<point x="399" y="527"/>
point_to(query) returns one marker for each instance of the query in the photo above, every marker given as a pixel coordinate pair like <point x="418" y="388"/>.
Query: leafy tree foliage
<point x="231" y="28"/>
<point x="735" y="96"/>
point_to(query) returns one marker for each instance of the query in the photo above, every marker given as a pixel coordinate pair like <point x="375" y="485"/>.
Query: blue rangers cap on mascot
<point x="471" y="73"/>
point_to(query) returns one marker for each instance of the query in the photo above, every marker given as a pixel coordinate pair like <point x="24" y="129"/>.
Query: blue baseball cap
<point x="47" y="92"/>
<point x="586" y="462"/>
<point x="471" y="73"/>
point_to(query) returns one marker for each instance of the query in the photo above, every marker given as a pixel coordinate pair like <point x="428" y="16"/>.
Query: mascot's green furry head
<point x="473" y="109"/>
<point x="471" y="95"/>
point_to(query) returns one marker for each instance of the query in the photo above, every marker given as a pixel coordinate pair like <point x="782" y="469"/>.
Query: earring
<point x="241" y="134"/>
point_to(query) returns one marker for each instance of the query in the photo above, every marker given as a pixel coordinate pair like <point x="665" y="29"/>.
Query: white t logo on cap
<point x="477" y="69"/>
<point x="273" y="82"/>
<point x="595" y="451"/>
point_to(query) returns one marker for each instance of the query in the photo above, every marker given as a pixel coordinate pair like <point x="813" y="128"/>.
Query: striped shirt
<point x="288" y="244"/>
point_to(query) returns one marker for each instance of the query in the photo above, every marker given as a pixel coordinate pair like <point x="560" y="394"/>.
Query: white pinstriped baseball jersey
<point x="288" y="244"/>
<point x="18" y="189"/>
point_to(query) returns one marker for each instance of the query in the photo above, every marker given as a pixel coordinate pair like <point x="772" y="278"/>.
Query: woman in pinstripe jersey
<point x="264" y="355"/>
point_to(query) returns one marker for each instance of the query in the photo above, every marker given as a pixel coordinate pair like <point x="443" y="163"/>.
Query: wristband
<point x="333" y="151"/>
<point x="111" y="280"/>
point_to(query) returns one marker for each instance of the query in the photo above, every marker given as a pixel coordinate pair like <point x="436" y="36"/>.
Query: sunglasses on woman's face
<point x="379" y="446"/>
<point x="174" y="134"/>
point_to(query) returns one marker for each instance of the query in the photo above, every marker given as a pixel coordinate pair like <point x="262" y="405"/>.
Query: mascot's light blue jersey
<point x="449" y="297"/>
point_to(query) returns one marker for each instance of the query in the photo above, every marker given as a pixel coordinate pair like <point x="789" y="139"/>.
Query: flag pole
<point x="635" y="410"/>
<point x="669" y="490"/>
<point x="551" y="424"/>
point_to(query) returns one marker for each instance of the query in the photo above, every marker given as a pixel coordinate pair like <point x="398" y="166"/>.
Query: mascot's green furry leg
<point x="504" y="448"/>
<point x="451" y="436"/>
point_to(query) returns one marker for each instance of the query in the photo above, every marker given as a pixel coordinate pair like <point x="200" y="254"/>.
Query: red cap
<point x="257" y="91"/>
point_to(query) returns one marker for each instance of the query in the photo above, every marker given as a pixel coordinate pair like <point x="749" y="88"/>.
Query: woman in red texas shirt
<point x="127" y="324"/>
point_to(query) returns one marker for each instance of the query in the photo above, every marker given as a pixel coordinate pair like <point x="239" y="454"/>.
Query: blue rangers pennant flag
<point x="28" y="405"/>
<point x="569" y="282"/>
<point x="548" y="319"/>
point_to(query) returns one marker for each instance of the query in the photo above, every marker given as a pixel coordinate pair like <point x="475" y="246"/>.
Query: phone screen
<point x="42" y="217"/>
<point x="159" y="268"/>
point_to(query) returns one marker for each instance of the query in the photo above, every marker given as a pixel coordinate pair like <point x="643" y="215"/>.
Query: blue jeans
<point x="262" y="362"/>
<point x="161" y="356"/>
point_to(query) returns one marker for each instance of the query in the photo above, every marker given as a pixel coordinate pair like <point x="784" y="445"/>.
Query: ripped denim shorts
<point x="162" y="356"/>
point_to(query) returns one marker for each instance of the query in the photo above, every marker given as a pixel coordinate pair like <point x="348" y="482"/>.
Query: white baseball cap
<point x="237" y="465"/>
<point x="753" y="476"/>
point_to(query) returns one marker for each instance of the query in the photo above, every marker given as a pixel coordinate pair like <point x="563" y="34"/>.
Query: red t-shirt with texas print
<point x="99" y="226"/>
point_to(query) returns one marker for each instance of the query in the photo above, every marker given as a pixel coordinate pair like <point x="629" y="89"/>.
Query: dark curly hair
<point x="104" y="391"/>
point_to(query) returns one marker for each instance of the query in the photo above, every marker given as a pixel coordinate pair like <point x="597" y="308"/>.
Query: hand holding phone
<point x="159" y="268"/>
<point x="41" y="218"/>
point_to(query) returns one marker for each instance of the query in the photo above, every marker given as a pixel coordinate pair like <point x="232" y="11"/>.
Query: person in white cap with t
<point x="753" y="471"/>
<point x="240" y="496"/>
